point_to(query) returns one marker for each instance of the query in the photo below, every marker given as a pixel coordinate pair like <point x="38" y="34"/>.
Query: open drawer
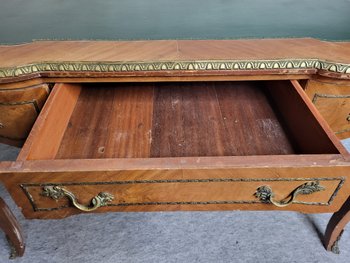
<point x="178" y="146"/>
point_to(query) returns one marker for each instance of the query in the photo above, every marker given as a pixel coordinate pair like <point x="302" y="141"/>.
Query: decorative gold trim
<point x="342" y="131"/>
<point x="18" y="103"/>
<point x="36" y="208"/>
<point x="162" y="66"/>
<point x="56" y="192"/>
<point x="13" y="251"/>
<point x="265" y="194"/>
<point x="335" y="247"/>
<point x="329" y="96"/>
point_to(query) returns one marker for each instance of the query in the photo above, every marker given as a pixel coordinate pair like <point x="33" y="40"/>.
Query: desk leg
<point x="336" y="227"/>
<point x="12" y="230"/>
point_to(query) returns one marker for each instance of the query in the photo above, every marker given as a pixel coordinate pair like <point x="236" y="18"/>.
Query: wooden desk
<point x="182" y="125"/>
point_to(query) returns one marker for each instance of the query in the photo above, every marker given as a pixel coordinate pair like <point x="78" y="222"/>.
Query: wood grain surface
<point x="48" y="130"/>
<point x="161" y="184"/>
<point x="110" y="121"/>
<point x="37" y="93"/>
<point x="182" y="119"/>
<point x="219" y="118"/>
<point x="19" y="108"/>
<point x="332" y="99"/>
<point x="12" y="57"/>
<point x="172" y="50"/>
<point x="16" y="120"/>
<point x="12" y="229"/>
<point x="304" y="125"/>
<point x="169" y="129"/>
<point x="215" y="119"/>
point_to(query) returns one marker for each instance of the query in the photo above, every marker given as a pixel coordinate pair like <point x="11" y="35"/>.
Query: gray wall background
<point x="23" y="21"/>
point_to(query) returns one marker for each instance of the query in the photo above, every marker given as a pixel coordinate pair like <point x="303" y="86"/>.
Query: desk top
<point x="174" y="57"/>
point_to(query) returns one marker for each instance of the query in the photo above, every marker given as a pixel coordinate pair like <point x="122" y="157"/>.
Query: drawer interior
<point x="176" y="119"/>
<point x="173" y="120"/>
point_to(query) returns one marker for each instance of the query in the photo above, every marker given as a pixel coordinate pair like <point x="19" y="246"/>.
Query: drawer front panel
<point x="336" y="111"/>
<point x="162" y="188"/>
<point x="37" y="93"/>
<point x="215" y="191"/>
<point x="17" y="119"/>
<point x="19" y="108"/>
<point x="332" y="99"/>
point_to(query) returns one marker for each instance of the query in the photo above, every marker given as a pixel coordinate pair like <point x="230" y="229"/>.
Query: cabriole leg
<point x="336" y="227"/>
<point x="12" y="230"/>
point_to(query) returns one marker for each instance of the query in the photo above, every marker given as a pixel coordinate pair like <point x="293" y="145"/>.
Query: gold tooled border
<point x="205" y="65"/>
<point x="26" y="188"/>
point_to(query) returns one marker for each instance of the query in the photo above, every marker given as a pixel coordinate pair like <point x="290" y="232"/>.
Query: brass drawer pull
<point x="348" y="118"/>
<point x="265" y="194"/>
<point x="56" y="192"/>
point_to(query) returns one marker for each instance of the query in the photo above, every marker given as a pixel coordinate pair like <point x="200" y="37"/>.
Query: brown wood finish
<point x="121" y="170"/>
<point x="213" y="119"/>
<point x="12" y="230"/>
<point x="48" y="129"/>
<point x="173" y="50"/>
<point x="37" y="93"/>
<point x="18" y="83"/>
<point x="179" y="120"/>
<point x="198" y="195"/>
<point x="153" y="77"/>
<point x="332" y="99"/>
<point x="150" y="181"/>
<point x="310" y="133"/>
<point x="325" y="126"/>
<point x="12" y="142"/>
<point x="110" y="122"/>
<point x="19" y="108"/>
<point x="300" y="160"/>
<point x="178" y="75"/>
<point x="186" y="128"/>
<point x="17" y="119"/>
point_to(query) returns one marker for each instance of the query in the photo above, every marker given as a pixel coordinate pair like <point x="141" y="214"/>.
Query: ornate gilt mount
<point x="266" y="195"/>
<point x="151" y="66"/>
<point x="56" y="192"/>
<point x="335" y="247"/>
